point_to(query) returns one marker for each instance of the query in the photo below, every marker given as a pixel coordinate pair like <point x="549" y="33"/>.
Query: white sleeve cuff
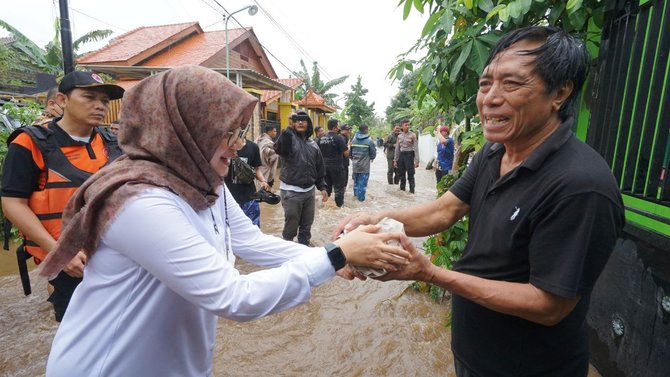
<point x="318" y="266"/>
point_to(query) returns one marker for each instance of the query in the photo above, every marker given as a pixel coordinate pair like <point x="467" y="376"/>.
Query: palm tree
<point x="50" y="58"/>
<point x="314" y="83"/>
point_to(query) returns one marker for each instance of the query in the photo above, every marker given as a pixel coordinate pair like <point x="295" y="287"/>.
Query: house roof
<point x="314" y="101"/>
<point x="132" y="75"/>
<point x="271" y="95"/>
<point x="139" y="43"/>
<point x="176" y="45"/>
<point x="195" y="49"/>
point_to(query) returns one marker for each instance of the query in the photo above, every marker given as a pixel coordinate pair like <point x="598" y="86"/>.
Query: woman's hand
<point x="365" y="247"/>
<point x="419" y="268"/>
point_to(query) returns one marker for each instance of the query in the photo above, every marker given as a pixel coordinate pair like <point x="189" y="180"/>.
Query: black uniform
<point x="332" y="148"/>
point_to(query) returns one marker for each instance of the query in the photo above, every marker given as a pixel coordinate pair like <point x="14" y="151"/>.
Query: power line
<point x="99" y="20"/>
<point x="276" y="58"/>
<point x="241" y="26"/>
<point x="292" y="40"/>
<point x="213" y="7"/>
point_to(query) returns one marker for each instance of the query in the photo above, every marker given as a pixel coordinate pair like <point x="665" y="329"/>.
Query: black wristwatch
<point x="336" y="256"/>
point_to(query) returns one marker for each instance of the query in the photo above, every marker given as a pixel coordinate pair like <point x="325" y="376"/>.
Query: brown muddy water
<point x="349" y="328"/>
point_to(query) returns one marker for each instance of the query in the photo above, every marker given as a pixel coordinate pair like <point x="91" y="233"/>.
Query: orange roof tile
<point x="313" y="100"/>
<point x="195" y="49"/>
<point x="134" y="42"/>
<point x="269" y="95"/>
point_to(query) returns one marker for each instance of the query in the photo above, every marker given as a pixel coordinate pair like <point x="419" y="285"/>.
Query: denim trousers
<point x="360" y="185"/>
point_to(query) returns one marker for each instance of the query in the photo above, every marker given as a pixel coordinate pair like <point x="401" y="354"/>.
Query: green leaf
<point x="555" y="13"/>
<point x="478" y="56"/>
<point x="573" y="5"/>
<point x="598" y="17"/>
<point x="91" y="36"/>
<point x="485" y="5"/>
<point x="418" y="4"/>
<point x="399" y="72"/>
<point x="489" y="38"/>
<point x="407" y="9"/>
<point x="524" y="6"/>
<point x="465" y="52"/>
<point x="468" y="4"/>
<point x="447" y="21"/>
<point x="503" y="14"/>
<point x="431" y="22"/>
<point x="577" y="20"/>
<point x="494" y="12"/>
<point x="514" y="9"/>
<point x="460" y="92"/>
<point x="427" y="76"/>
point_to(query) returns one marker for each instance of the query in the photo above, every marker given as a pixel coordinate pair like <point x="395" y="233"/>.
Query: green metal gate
<point x="630" y="118"/>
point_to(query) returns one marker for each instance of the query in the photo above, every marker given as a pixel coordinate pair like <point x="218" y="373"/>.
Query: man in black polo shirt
<point x="545" y="213"/>
<point x="333" y="145"/>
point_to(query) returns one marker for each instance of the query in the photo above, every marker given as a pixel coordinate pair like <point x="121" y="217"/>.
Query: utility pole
<point x="66" y="37"/>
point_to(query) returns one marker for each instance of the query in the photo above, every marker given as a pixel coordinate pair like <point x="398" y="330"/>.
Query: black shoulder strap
<point x="42" y="136"/>
<point x="111" y="142"/>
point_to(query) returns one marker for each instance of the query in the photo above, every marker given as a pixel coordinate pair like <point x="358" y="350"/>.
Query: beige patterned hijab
<point x="171" y="125"/>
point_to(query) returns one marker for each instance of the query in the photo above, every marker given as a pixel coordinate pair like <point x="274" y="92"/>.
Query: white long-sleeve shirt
<point x="152" y="292"/>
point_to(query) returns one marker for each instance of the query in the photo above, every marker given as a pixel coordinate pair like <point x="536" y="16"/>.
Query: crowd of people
<point x="154" y="215"/>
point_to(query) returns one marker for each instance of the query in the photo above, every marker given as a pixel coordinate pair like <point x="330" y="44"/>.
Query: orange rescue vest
<point x="64" y="169"/>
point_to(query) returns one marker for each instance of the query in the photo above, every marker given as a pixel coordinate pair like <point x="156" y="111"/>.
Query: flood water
<point x="349" y="328"/>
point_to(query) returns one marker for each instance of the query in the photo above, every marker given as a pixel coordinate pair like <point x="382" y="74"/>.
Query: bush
<point x="446" y="247"/>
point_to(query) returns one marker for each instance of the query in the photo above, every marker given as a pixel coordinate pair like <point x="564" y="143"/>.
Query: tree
<point x="463" y="31"/>
<point x="50" y="58"/>
<point x="356" y="109"/>
<point x="315" y="83"/>
<point x="6" y="62"/>
<point x="401" y="102"/>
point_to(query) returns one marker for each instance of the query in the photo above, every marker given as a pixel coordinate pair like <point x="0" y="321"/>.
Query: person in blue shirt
<point x="445" y="152"/>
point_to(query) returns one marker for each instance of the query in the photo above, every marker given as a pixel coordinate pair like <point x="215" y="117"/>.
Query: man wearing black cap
<point x="302" y="171"/>
<point x="46" y="164"/>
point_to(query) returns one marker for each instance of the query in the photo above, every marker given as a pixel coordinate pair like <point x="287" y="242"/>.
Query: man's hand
<point x="348" y="272"/>
<point x="419" y="268"/>
<point x="416" y="164"/>
<point x="75" y="267"/>
<point x="324" y="196"/>
<point x="352" y="222"/>
<point x="395" y="164"/>
<point x="265" y="186"/>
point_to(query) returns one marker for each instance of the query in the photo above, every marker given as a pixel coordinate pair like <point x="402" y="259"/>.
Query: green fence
<point x="630" y="112"/>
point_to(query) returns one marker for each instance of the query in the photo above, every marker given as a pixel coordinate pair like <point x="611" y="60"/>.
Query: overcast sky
<point x="346" y="37"/>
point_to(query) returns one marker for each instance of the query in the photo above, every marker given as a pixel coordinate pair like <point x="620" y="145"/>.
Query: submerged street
<point x="349" y="328"/>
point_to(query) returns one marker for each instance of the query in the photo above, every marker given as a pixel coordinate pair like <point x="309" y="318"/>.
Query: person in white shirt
<point x="162" y="232"/>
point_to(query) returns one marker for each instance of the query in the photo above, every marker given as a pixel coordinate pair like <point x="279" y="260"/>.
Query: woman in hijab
<point x="161" y="233"/>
